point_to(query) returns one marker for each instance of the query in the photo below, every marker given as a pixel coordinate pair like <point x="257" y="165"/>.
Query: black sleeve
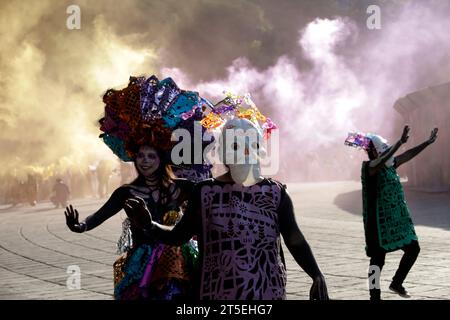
<point x="293" y="237"/>
<point x="111" y="207"/>
<point x="186" y="188"/>
<point x="288" y="225"/>
<point x="396" y="163"/>
<point x="189" y="225"/>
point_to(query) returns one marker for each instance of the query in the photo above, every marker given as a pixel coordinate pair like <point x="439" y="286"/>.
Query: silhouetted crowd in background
<point x="100" y="179"/>
<point x="94" y="181"/>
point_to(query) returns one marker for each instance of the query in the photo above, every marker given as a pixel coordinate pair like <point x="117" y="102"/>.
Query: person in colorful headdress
<point x="138" y="125"/>
<point x="240" y="216"/>
<point x="387" y="222"/>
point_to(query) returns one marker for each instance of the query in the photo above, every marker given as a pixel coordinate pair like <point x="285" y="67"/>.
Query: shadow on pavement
<point x="427" y="209"/>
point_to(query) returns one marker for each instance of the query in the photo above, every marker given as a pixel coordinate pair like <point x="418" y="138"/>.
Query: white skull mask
<point x="241" y="149"/>
<point x="382" y="146"/>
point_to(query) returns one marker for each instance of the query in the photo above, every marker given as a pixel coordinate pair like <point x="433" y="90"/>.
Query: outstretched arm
<point x="376" y="165"/>
<point x="411" y="153"/>
<point x="171" y="235"/>
<point x="175" y="235"/>
<point x="110" y="208"/>
<point x="300" y="249"/>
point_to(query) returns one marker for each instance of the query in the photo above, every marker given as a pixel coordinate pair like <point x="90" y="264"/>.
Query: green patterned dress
<point x="387" y="223"/>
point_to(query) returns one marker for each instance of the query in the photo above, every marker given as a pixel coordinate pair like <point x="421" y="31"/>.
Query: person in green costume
<point x="387" y="222"/>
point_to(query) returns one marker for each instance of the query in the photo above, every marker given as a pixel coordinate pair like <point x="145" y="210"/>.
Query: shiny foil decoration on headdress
<point x="147" y="111"/>
<point x="358" y="140"/>
<point x="235" y="106"/>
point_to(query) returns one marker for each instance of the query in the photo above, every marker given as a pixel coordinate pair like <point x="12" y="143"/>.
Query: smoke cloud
<point x="312" y="66"/>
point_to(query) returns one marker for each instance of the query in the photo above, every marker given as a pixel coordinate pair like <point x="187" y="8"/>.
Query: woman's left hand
<point x="138" y="212"/>
<point x="318" y="289"/>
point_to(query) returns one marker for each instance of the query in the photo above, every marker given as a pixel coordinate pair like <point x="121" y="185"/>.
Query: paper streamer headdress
<point x="147" y="111"/>
<point x="362" y="141"/>
<point x="358" y="140"/>
<point x="233" y="106"/>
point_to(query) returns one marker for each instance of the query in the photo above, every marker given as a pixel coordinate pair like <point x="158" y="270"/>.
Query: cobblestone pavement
<point x="36" y="248"/>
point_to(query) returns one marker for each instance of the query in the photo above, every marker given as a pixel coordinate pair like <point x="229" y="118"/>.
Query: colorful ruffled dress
<point x="152" y="270"/>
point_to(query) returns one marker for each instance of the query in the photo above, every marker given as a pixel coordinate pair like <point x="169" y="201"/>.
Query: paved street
<point x="36" y="248"/>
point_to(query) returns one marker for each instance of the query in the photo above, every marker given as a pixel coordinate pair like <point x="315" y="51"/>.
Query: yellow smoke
<point x="52" y="79"/>
<point x="52" y="82"/>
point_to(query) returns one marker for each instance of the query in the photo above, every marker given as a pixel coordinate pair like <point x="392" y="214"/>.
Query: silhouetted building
<point x="423" y="110"/>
